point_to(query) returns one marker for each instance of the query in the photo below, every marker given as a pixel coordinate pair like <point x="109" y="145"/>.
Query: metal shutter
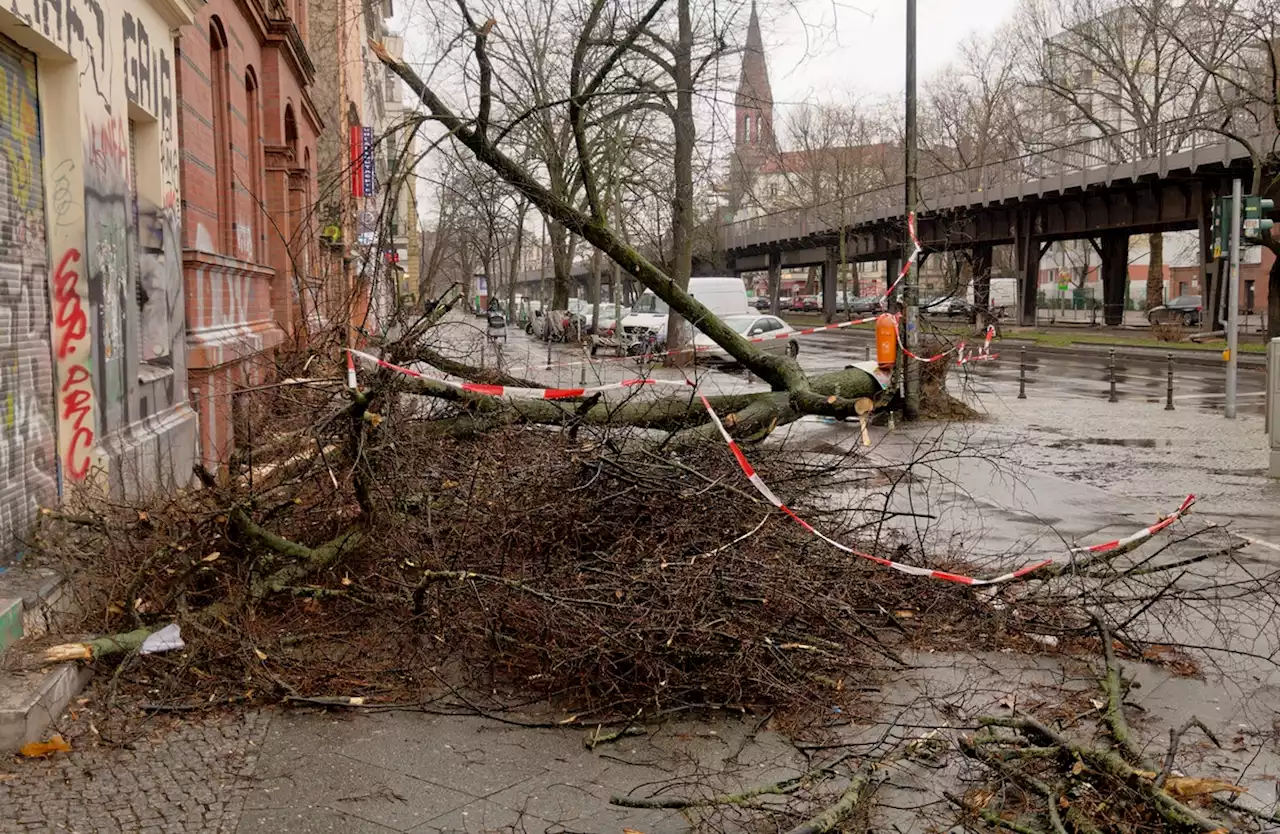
<point x="28" y="445"/>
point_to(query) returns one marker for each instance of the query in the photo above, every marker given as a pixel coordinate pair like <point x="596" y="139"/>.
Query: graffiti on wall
<point x="28" y="474"/>
<point x="112" y="273"/>
<point x="75" y="393"/>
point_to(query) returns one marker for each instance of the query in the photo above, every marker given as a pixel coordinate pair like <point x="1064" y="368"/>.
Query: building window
<point x="219" y="81"/>
<point x="256" y="161"/>
<point x="746" y="128"/>
<point x="150" y="271"/>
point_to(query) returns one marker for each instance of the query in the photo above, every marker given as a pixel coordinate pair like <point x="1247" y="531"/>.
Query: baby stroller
<point x="497" y="328"/>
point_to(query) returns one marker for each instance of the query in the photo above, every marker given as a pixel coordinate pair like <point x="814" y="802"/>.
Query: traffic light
<point x="1254" y="214"/>
<point x="1221" y="227"/>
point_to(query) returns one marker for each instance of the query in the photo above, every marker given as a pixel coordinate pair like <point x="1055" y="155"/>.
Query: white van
<point x="724" y="296"/>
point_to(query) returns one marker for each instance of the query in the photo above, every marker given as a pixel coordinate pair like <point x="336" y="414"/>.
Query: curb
<point x="32" y="699"/>
<point x="1203" y="358"/>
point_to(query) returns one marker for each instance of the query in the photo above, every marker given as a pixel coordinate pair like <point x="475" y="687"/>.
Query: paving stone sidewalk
<point x="181" y="776"/>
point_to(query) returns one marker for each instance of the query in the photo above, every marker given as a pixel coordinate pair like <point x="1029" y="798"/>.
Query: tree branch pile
<point x="1038" y="777"/>
<point x="523" y="562"/>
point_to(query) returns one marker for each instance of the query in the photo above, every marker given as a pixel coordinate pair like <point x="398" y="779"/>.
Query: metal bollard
<point x="868" y="353"/>
<point x="1168" y="397"/>
<point x="1111" y="368"/>
<point x="1022" y="372"/>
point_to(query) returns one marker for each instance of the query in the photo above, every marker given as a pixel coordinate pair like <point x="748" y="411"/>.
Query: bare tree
<point x="1116" y="70"/>
<point x="1238" y="53"/>
<point x="619" y="56"/>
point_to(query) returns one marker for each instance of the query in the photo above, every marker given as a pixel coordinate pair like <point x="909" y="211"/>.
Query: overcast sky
<point x="826" y="49"/>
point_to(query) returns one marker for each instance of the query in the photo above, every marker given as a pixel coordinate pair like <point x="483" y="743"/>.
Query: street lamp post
<point x="911" y="285"/>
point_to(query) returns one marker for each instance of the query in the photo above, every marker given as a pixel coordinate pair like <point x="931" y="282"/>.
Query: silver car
<point x="775" y="334"/>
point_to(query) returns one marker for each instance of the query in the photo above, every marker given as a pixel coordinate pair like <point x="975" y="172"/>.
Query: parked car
<point x="811" y="303"/>
<point x="797" y="304"/>
<point x="761" y="302"/>
<point x="867" y="304"/>
<point x="1185" y="309"/>
<point x="751" y="326"/>
<point x="946" y="305"/>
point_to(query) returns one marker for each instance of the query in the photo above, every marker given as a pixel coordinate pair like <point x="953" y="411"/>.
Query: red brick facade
<point x="248" y="133"/>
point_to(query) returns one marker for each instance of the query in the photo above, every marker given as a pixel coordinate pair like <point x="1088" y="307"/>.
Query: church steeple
<point x="753" y="104"/>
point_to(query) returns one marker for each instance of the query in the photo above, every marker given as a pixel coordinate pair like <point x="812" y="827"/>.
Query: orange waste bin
<point x="886" y="340"/>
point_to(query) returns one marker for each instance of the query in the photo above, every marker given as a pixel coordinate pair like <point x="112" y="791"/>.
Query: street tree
<point x="1237" y="51"/>
<point x="615" y="48"/>
<point x="1115" y="70"/>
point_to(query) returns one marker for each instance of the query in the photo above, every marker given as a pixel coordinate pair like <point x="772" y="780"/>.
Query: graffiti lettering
<point x="94" y="40"/>
<point x="77" y="399"/>
<point x="139" y="81"/>
<point x="70" y="318"/>
<point x="63" y="200"/>
<point x="109" y="147"/>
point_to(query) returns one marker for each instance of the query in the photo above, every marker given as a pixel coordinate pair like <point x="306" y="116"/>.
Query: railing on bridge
<point x="1085" y="162"/>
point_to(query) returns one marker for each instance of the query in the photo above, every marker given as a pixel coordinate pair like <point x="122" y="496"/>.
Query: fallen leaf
<point x="42" y="749"/>
<point x="260" y="653"/>
<point x="115" y="608"/>
<point x="1063" y="803"/>
<point x="346" y="580"/>
<point x="212" y="557"/>
<point x="568" y="720"/>
<point x="904" y="614"/>
<point x="1183" y="787"/>
<point x="631" y="831"/>
<point x="1077" y="768"/>
<point x="142" y="516"/>
<point x="449" y="485"/>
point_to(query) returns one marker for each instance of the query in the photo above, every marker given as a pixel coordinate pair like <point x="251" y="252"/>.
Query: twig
<point x="1113" y="686"/>
<point x="782" y="788"/>
<point x="859" y="788"/>
<point x="990" y="817"/>
<point x="1175" y="736"/>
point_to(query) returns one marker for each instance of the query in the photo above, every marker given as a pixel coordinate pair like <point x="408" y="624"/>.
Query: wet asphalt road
<point x="1195" y="385"/>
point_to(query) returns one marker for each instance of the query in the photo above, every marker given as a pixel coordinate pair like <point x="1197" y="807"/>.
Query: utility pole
<point x="910" y="333"/>
<point x="1233" y="300"/>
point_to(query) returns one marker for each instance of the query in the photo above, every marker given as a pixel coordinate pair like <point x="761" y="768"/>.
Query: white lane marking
<point x="1217" y="396"/>
<point x="1259" y="542"/>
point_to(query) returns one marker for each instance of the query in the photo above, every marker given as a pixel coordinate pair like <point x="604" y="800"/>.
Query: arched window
<point x="291" y="132"/>
<point x="746" y="128"/>
<point x="256" y="161"/>
<point x="220" y="87"/>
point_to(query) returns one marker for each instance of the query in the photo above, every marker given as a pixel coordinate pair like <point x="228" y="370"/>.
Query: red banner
<point x="357" y="161"/>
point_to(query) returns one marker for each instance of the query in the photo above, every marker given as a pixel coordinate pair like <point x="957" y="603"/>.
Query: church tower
<point x="754" y="141"/>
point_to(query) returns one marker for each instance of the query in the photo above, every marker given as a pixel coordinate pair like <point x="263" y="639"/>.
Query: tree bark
<point x="561" y="266"/>
<point x="1155" y="271"/>
<point x="682" y="217"/>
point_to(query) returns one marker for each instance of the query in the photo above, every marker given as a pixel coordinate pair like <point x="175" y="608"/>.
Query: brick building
<point x="93" y="383"/>
<point x="249" y="131"/>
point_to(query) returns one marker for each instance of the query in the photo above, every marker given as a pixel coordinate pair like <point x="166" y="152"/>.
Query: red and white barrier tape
<point x="524" y="393"/>
<point x="982" y="355"/>
<point x="912" y="570"/>
<point x="1141" y="535"/>
<point x="906" y="265"/>
<point x="351" y="372"/>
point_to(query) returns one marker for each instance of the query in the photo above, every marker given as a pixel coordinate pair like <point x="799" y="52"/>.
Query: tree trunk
<point x="682" y="218"/>
<point x="1155" y="272"/>
<point x="595" y="290"/>
<point x="561" y="266"/>
<point x="515" y="260"/>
